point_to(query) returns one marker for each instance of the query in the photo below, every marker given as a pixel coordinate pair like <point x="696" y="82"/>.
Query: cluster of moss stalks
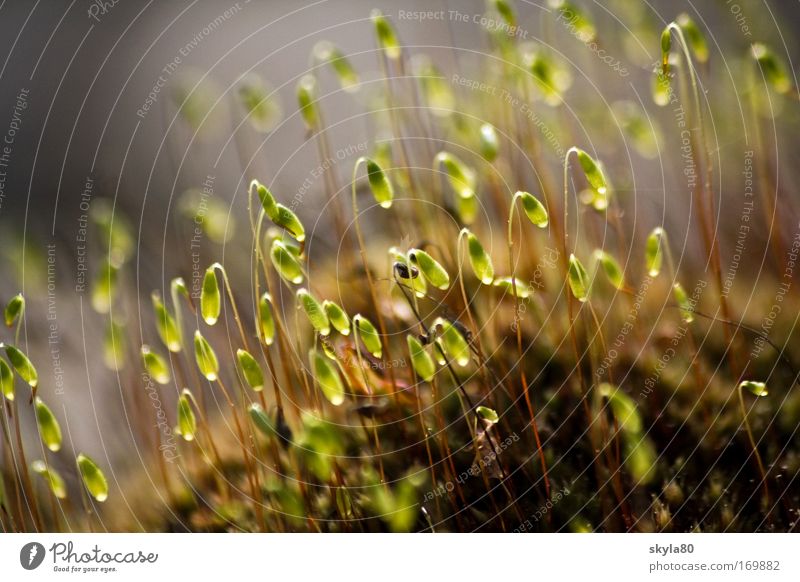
<point x="450" y="368"/>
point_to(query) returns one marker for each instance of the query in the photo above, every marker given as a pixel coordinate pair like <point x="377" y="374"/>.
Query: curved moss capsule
<point x="755" y="388"/>
<point x="307" y="100"/>
<point x="187" y="423"/>
<point x="489" y="143"/>
<point x="327" y="377"/>
<point x="337" y="317"/>
<point x="467" y="209"/>
<point x="93" y="478"/>
<point x="452" y="342"/>
<point x="155" y="365"/>
<point x="460" y="176"/>
<point x="104" y="287"/>
<point x="314" y="311"/>
<point x="421" y="360"/>
<point x="611" y="268"/>
<point x="592" y="171"/>
<point x="115" y="345"/>
<point x="431" y="269"/>
<point x="487" y="414"/>
<point x="578" y="279"/>
<point x="268" y="202"/>
<point x="435" y="86"/>
<point x="387" y="38"/>
<point x="666" y="46"/>
<point x="408" y="274"/>
<point x="54" y="481"/>
<point x="260" y="103"/>
<point x="286" y="219"/>
<point x="640" y="457"/>
<point x="774" y="70"/>
<point x="250" y="370"/>
<point x="285" y="263"/>
<point x="380" y="185"/>
<point x="168" y="330"/>
<point x="508" y="285"/>
<point x="503" y="8"/>
<point x="534" y="210"/>
<point x="6" y="380"/>
<point x="661" y="88"/>
<point x="210" y="298"/>
<point x="23" y="366"/>
<point x="205" y="357"/>
<point x="261" y="420"/>
<point x="623" y="407"/>
<point x="49" y="429"/>
<point x="694" y="36"/>
<point x="479" y="259"/>
<point x="266" y="323"/>
<point x="14" y="309"/>
<point x="369" y="335"/>
<point x="327" y="52"/>
<point x="653" y="253"/>
<point x="682" y="299"/>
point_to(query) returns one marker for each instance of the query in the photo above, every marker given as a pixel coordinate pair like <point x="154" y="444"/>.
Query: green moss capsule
<point x="454" y="344"/>
<point x="49" y="429"/>
<point x="93" y="478"/>
<point x="611" y="268"/>
<point x="314" y="311"/>
<point x="682" y="299"/>
<point x="307" y="101"/>
<point x="380" y="185"/>
<point x="337" y="317"/>
<point x="14" y="309"/>
<point x="285" y="263"/>
<point x="327" y="377"/>
<point x="653" y="253"/>
<point x="168" y="330"/>
<point x="210" y="298"/>
<point x="578" y="279"/>
<point x="387" y="38"/>
<point x="534" y="210"/>
<point x="755" y="388"/>
<point x="421" y="360"/>
<point x="479" y="259"/>
<point x="431" y="269"/>
<point x="155" y="365"/>
<point x="369" y="335"/>
<point x="250" y="370"/>
<point x="205" y="357"/>
<point x="23" y="366"/>
<point x="53" y="479"/>
<point x="327" y="52"/>
<point x="266" y="322"/>
<point x="6" y="380"/>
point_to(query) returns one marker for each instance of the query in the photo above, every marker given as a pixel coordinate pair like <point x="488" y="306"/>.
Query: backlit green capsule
<point x="49" y="429"/>
<point x="653" y="253"/>
<point x="250" y="370"/>
<point x="694" y="37"/>
<point x="380" y="185"/>
<point x="187" y="422"/>
<point x="286" y="219"/>
<point x="327" y="377"/>
<point x="168" y="330"/>
<point x="421" y="360"/>
<point x="285" y="263"/>
<point x="6" y="380"/>
<point x="515" y="287"/>
<point x="534" y="210"/>
<point x="774" y="70"/>
<point x="337" y="317"/>
<point x="479" y="259"/>
<point x="14" y="309"/>
<point x="261" y="420"/>
<point x="503" y="8"/>
<point x="467" y="209"/>
<point x="155" y="365"/>
<point x="435" y="86"/>
<point x="661" y="88"/>
<point x="640" y="457"/>
<point x="266" y="323"/>
<point x="115" y="345"/>
<point x="260" y="103"/>
<point x="23" y="366"/>
<point x="592" y="170"/>
<point x="755" y="388"/>
<point x="489" y="143"/>
<point x="51" y="476"/>
<point x="623" y="407"/>
<point x="387" y="38"/>
<point x="431" y="269"/>
<point x="314" y="311"/>
<point x="460" y="176"/>
<point x="306" y="99"/>
<point x="611" y="268"/>
<point x="326" y="52"/>
<point x="205" y="357"/>
<point x="452" y="342"/>
<point x="487" y="414"/>
<point x="104" y="288"/>
<point x="93" y="478"/>
<point x="268" y="202"/>
<point x="369" y="335"/>
<point x="210" y="298"/>
<point x="578" y="279"/>
<point x="682" y="299"/>
<point x="666" y="46"/>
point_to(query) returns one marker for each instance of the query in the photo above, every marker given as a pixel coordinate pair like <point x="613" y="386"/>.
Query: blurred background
<point x="134" y="108"/>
